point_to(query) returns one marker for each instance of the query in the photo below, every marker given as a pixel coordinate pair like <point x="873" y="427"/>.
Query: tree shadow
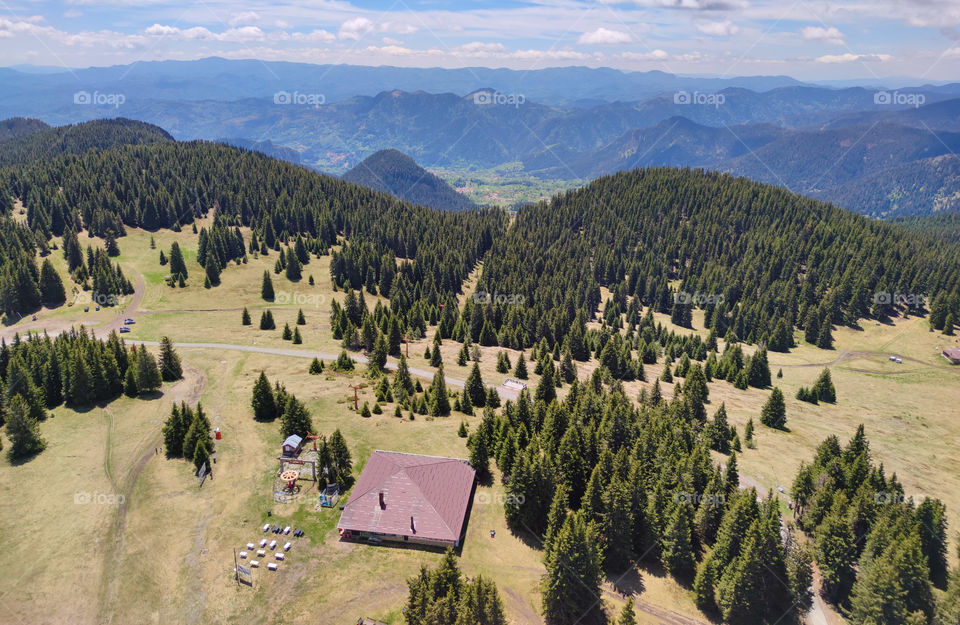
<point x="630" y="583"/>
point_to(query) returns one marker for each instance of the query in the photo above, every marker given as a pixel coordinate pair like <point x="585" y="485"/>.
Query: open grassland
<point x="166" y="554"/>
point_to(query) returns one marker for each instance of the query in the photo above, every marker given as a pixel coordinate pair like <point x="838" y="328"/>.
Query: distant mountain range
<point x="393" y="172"/>
<point x="880" y="152"/>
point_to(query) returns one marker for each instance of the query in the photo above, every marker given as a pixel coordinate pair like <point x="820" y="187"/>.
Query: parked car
<point x="128" y="321"/>
<point x="124" y="330"/>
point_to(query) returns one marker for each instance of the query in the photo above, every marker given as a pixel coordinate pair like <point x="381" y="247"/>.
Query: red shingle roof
<point x="434" y="491"/>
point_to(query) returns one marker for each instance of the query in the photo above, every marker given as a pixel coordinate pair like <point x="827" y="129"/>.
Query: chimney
<point x="412" y="526"/>
<point x="383" y="504"/>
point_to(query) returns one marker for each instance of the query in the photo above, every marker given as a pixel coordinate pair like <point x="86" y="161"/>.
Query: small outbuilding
<point x="292" y="446"/>
<point x="952" y="354"/>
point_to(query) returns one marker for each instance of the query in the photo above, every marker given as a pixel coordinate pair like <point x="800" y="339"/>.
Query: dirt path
<point x="528" y="616"/>
<point x="189" y="390"/>
<point x="849" y="355"/>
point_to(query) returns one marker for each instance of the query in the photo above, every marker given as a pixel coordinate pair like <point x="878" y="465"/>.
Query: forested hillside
<point x="168" y="184"/>
<point x="943" y="225"/>
<point x="50" y="143"/>
<point x="19" y="127"/>
<point x="754" y="256"/>
<point x="393" y="172"/>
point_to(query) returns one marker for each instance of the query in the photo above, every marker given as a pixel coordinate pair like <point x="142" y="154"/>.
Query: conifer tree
<point x="574" y="571"/>
<point x="263" y="402"/>
<point x="774" y="412"/>
<point x="177" y="266"/>
<point x="439" y="401"/>
<point x="22" y="429"/>
<point x="266" y="287"/>
<point x="170" y="367"/>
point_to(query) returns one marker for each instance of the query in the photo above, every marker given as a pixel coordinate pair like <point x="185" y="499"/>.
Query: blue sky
<point x="805" y="39"/>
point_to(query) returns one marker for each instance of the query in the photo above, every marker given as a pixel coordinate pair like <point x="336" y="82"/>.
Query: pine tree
<point x="574" y="571"/>
<point x="297" y="337"/>
<point x="546" y="388"/>
<point x="263" y="402"/>
<point x="177" y="266"/>
<point x="212" y="269"/>
<point x="823" y="388"/>
<point x="51" y="286"/>
<point x="287" y="332"/>
<point x="266" y="321"/>
<point x="148" y="374"/>
<point x="676" y="550"/>
<point x="402" y="382"/>
<point x="480" y="456"/>
<point x="627" y="614"/>
<point x="174" y="431"/>
<point x="130" y="388"/>
<point x="341" y="464"/>
<point x="301" y="320"/>
<point x="439" y="401"/>
<point x="295" y="419"/>
<point x="520" y="372"/>
<point x="293" y="270"/>
<point x="201" y="454"/>
<point x="266" y="287"/>
<point x="22" y="429"/>
<point x="245" y="317"/>
<point x="316" y="367"/>
<point x="378" y="357"/>
<point x="474" y="388"/>
<point x="170" y="367"/>
<point x="774" y="412"/>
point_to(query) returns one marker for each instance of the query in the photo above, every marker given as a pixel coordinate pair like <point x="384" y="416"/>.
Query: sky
<point x="806" y="39"/>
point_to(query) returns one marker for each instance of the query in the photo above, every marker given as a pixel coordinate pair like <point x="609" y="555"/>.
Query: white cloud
<point x="695" y="5"/>
<point x="850" y="58"/>
<point x="718" y="29"/>
<point x="244" y="34"/>
<point x="355" y="28"/>
<point x="73" y="13"/>
<point x="315" y="35"/>
<point x="390" y="41"/>
<point x="480" y="48"/>
<point x="246" y="17"/>
<point x="654" y="55"/>
<point x="553" y="55"/>
<point x="826" y="35"/>
<point x="604" y="36"/>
